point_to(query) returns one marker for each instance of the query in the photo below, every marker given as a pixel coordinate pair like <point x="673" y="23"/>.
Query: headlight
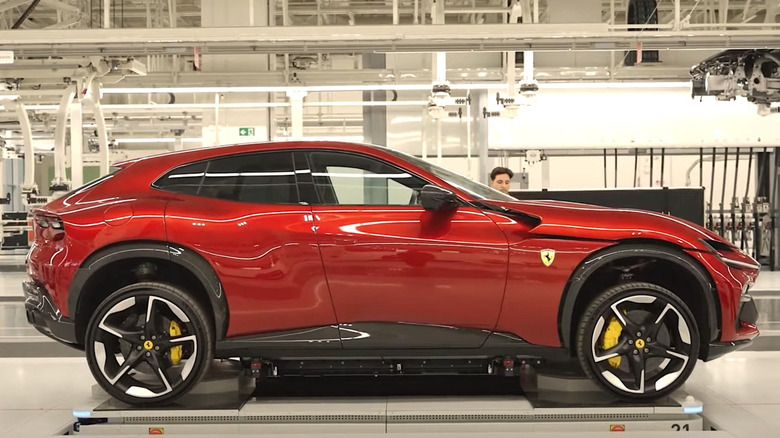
<point x="731" y="255"/>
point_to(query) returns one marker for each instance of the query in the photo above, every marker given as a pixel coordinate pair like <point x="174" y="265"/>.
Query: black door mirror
<point x="437" y="198"/>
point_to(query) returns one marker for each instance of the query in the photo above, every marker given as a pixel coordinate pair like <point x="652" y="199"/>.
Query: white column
<point x="100" y="123"/>
<point x="59" y="135"/>
<point x="29" y="153"/>
<point x="296" y="112"/>
<point x="178" y="145"/>
<point x="106" y="14"/>
<point x="76" y="145"/>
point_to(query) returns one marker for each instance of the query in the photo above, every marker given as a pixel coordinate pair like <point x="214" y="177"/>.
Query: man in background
<point x="500" y="178"/>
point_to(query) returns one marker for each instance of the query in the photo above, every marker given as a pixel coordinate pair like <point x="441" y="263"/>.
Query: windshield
<point x="473" y="188"/>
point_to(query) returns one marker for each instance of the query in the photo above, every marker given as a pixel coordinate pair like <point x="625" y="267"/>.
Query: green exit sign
<point x="246" y="132"/>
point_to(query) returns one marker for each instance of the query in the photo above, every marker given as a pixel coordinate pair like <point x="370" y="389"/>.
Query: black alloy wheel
<point x="149" y="343"/>
<point x="638" y="340"/>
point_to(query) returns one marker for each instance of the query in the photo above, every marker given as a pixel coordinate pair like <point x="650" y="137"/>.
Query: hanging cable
<point x="651" y="167"/>
<point x="636" y="164"/>
<point x="663" y="157"/>
<point x="616" y="166"/>
<point x="701" y="167"/>
<point x="712" y="192"/>
<point x="605" y="168"/>
<point x="723" y="192"/>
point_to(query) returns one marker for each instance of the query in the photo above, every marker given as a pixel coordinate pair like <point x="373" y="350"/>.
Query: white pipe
<point x="29" y="154"/>
<point x="677" y="24"/>
<point x="528" y="66"/>
<point x="100" y="122"/>
<point x="172" y="13"/>
<point x="76" y="144"/>
<point x="63" y="112"/>
<point x="395" y="11"/>
<point x="106" y="14"/>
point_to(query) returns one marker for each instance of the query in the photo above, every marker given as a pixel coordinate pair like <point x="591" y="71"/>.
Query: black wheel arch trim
<point x="622" y="250"/>
<point x="182" y="256"/>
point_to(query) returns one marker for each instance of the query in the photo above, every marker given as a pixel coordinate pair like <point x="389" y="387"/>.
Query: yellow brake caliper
<point x="610" y="338"/>
<point x="174" y="330"/>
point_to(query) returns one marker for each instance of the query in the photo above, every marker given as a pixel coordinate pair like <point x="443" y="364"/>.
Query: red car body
<point x="285" y="269"/>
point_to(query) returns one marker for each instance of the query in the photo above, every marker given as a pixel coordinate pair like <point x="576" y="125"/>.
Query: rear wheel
<point x="638" y="340"/>
<point x="149" y="343"/>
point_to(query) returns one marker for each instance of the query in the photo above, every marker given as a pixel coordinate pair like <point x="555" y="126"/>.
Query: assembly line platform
<point x="238" y="405"/>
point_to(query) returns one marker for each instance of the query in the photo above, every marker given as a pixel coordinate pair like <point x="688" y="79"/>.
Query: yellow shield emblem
<point x="548" y="256"/>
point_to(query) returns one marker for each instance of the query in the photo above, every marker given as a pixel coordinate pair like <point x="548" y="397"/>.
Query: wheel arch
<point x="106" y="262"/>
<point x="577" y="293"/>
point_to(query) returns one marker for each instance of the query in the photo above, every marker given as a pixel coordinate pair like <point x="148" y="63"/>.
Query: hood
<point x="584" y="221"/>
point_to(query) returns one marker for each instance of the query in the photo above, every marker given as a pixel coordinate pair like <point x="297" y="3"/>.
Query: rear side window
<point x="261" y="178"/>
<point x="184" y="179"/>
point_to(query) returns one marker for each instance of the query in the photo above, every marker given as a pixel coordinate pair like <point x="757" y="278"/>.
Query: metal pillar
<point x="59" y="136"/>
<point x="76" y="144"/>
<point x="296" y="113"/>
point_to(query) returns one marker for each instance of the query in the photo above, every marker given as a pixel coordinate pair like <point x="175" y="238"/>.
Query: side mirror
<point x="437" y="198"/>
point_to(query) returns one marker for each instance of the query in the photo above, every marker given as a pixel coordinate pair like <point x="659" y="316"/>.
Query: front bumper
<point x="747" y="316"/>
<point x="44" y="315"/>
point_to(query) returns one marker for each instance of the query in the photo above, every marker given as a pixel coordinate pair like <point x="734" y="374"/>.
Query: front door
<point x="401" y="276"/>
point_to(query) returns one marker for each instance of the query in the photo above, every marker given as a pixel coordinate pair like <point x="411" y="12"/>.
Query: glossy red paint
<point x="406" y="264"/>
<point x="297" y="266"/>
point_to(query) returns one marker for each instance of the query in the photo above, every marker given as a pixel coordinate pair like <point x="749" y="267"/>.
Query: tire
<point x="638" y="341"/>
<point x="149" y="343"/>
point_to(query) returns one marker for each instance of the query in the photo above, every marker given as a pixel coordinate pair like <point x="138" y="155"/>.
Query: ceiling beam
<point x="384" y="38"/>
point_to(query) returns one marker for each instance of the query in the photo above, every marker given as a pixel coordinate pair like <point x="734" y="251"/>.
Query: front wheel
<point x="149" y="343"/>
<point x="638" y="340"/>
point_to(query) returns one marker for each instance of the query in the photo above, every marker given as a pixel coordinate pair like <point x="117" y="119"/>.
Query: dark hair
<point x="500" y="171"/>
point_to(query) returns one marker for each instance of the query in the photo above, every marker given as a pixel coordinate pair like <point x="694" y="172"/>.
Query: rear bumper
<point x="44" y="315"/>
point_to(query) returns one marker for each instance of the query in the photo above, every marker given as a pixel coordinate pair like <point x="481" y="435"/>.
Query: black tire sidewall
<point x="200" y="323"/>
<point x="600" y="304"/>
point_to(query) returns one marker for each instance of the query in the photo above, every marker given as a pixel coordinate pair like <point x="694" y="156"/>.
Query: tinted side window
<point x="263" y="178"/>
<point x="184" y="179"/>
<point x="349" y="179"/>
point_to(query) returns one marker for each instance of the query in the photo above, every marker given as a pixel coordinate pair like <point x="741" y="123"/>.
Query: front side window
<point x="349" y="179"/>
<point x="261" y="178"/>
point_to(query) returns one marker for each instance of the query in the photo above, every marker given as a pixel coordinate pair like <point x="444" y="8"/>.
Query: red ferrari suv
<point x="325" y="253"/>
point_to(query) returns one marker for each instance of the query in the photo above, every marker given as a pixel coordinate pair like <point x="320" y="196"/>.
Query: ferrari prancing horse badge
<point x="548" y="256"/>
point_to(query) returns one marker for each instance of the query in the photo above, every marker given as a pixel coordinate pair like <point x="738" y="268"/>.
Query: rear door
<point x="244" y="215"/>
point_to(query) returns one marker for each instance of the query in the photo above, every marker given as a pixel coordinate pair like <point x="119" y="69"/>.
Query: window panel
<point x="349" y="179"/>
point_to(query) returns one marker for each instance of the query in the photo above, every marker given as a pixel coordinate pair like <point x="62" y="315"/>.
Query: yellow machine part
<point x="610" y="338"/>
<point x="174" y="330"/>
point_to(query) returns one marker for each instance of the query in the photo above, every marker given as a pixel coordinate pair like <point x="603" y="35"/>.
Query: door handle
<point x="338" y="240"/>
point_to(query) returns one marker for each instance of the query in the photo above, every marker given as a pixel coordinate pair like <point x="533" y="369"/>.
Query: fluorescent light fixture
<point x="275" y="89"/>
<point x="82" y="414"/>
<point x="387" y="87"/>
<point x="370" y="103"/>
<point x="156" y="140"/>
<point x="353" y="138"/>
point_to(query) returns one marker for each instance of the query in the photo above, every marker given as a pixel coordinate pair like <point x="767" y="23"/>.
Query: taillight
<point x="49" y="227"/>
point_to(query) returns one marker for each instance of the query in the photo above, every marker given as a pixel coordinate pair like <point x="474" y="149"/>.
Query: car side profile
<point x="277" y="253"/>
